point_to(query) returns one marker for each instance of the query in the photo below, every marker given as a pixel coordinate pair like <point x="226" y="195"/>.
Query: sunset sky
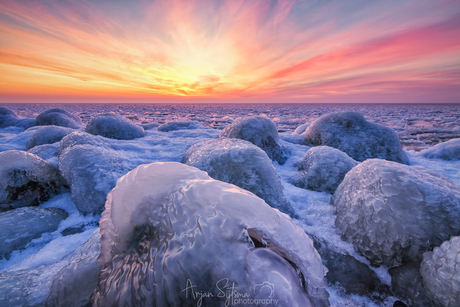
<point x="219" y="51"/>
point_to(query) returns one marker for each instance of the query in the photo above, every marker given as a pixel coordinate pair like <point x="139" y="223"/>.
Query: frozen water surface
<point x="27" y="277"/>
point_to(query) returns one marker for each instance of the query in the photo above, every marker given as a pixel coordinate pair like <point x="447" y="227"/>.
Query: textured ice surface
<point x="72" y="286"/>
<point x="48" y="152"/>
<point x="240" y="163"/>
<point x="179" y="125"/>
<point x="449" y="150"/>
<point x="406" y="283"/>
<point x="114" y="126"/>
<point x="47" y="135"/>
<point x="26" y="180"/>
<point x="174" y="227"/>
<point x="352" y="134"/>
<point x="58" y="117"/>
<point x="81" y="138"/>
<point x="301" y="129"/>
<point x="393" y="212"/>
<point x="322" y="169"/>
<point x="20" y="226"/>
<point x="260" y="131"/>
<point x="440" y="270"/>
<point x="8" y="117"/>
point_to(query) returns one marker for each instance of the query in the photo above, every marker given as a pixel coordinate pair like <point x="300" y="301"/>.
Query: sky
<point x="230" y="51"/>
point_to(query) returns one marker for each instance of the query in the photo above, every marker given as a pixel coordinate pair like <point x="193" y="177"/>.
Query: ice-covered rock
<point x="240" y="163"/>
<point x="406" y="283"/>
<point x="354" y="135"/>
<point x="301" y="129"/>
<point x="114" y="126"/>
<point x="58" y="117"/>
<point x="72" y="285"/>
<point x="261" y="132"/>
<point x="8" y="117"/>
<point x="180" y="125"/>
<point x="91" y="172"/>
<point x="440" y="270"/>
<point x="175" y="229"/>
<point x="150" y="126"/>
<point x="26" y="180"/>
<point x="47" y="135"/>
<point x="20" y="226"/>
<point x="393" y="212"/>
<point x="48" y="152"/>
<point x="449" y="150"/>
<point x="81" y="138"/>
<point x="322" y="169"/>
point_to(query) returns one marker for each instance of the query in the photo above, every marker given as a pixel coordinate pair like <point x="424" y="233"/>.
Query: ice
<point x="47" y="135"/>
<point x="114" y="126"/>
<point x="179" y="125"/>
<point x="440" y="270"/>
<point x="260" y="131"/>
<point x="58" y="117"/>
<point x="301" y="129"/>
<point x="193" y="231"/>
<point x="8" y="117"/>
<point x="48" y="152"/>
<point x="82" y="138"/>
<point x="322" y="169"/>
<point x="393" y="212"/>
<point x="240" y="163"/>
<point x="449" y="150"/>
<point x="26" y="180"/>
<point x="352" y="134"/>
<point x="406" y="283"/>
<point x="20" y="226"/>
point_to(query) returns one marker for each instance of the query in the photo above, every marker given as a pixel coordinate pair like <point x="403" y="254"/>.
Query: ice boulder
<point x="406" y="283"/>
<point x="114" y="126"/>
<point x="180" y="125"/>
<point x="322" y="169"/>
<point x="7" y="117"/>
<point x="240" y="163"/>
<point x="48" y="152"/>
<point x="358" y="138"/>
<point x="393" y="212"/>
<point x="261" y="132"/>
<point x="440" y="270"/>
<point x="58" y="117"/>
<point x="301" y="129"/>
<point x="47" y="135"/>
<point x="20" y="226"/>
<point x="81" y="138"/>
<point x="26" y="180"/>
<point x="175" y="229"/>
<point x="449" y="150"/>
<point x="91" y="172"/>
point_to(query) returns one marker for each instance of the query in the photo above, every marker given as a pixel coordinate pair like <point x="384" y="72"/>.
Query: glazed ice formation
<point x="393" y="212"/>
<point x="114" y="126"/>
<point x="180" y="125"/>
<point x="169" y="228"/>
<point x="47" y="135"/>
<point x="58" y="117"/>
<point x="240" y="163"/>
<point x="440" y="270"/>
<point x="351" y="133"/>
<point x="449" y="150"/>
<point x="261" y="132"/>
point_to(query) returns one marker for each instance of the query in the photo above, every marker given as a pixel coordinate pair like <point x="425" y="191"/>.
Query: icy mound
<point x="301" y="129"/>
<point x="20" y="226"/>
<point x="180" y="125"/>
<point x="406" y="283"/>
<point x="48" y="152"/>
<point x="352" y="134"/>
<point x="393" y="212"/>
<point x="47" y="135"/>
<point x="91" y="172"/>
<point x="114" y="126"/>
<point x="58" y="117"/>
<point x="260" y="131"/>
<point x="322" y="169"/>
<point x="440" y="270"/>
<point x="7" y="117"/>
<point x="181" y="230"/>
<point x="26" y="180"/>
<point x="449" y="150"/>
<point x="240" y="163"/>
<point x="81" y="138"/>
<point x="73" y="284"/>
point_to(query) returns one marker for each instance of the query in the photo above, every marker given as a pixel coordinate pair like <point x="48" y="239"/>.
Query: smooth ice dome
<point x="8" y="117"/>
<point x="26" y="180"/>
<point x="393" y="212"/>
<point x="240" y="163"/>
<point x="440" y="270"/>
<point x="58" y="117"/>
<point x="20" y="226"/>
<point x="114" y="126"/>
<point x="449" y="150"/>
<point x="81" y="138"/>
<point x="260" y="131"/>
<point x="354" y="135"/>
<point x="180" y="125"/>
<point x="47" y="135"/>
<point x="173" y="228"/>
<point x="322" y="169"/>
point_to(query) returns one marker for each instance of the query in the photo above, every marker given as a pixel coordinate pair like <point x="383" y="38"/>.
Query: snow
<point x="176" y="223"/>
<point x="114" y="126"/>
